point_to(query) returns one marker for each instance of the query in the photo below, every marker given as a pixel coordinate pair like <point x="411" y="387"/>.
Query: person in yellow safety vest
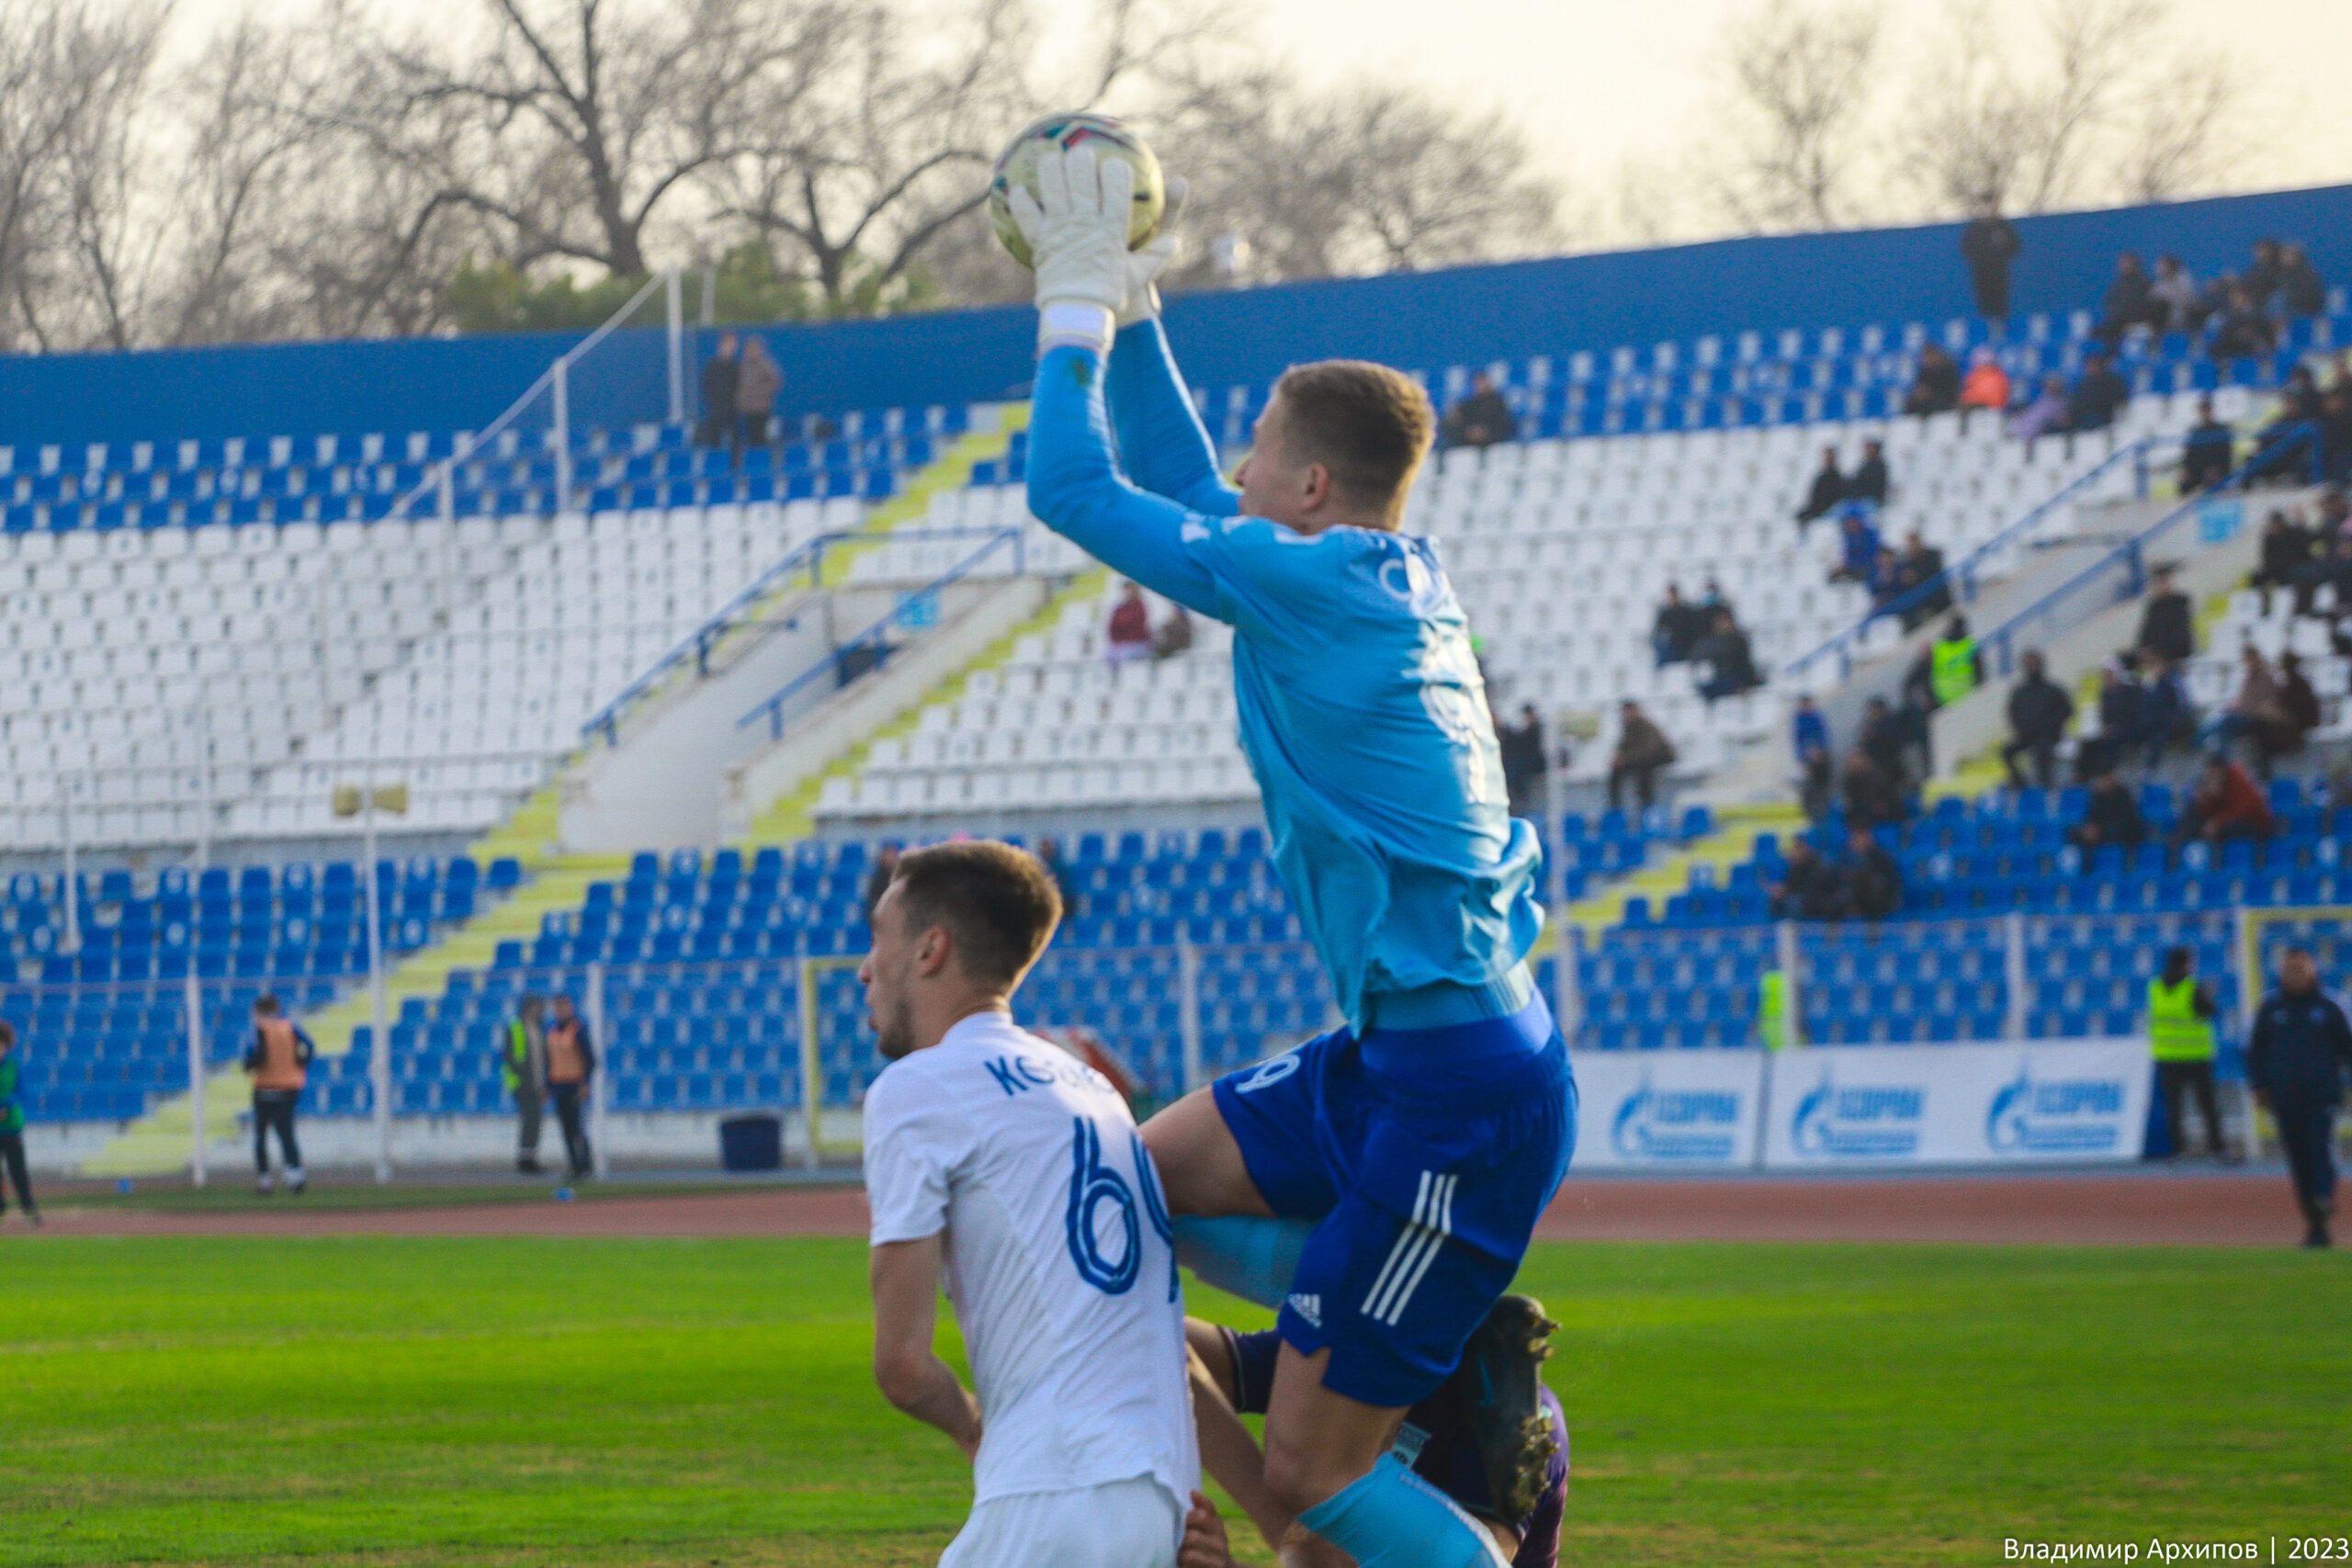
<point x="572" y="1062"/>
<point x="522" y="1056"/>
<point x="2180" y="1038"/>
<point x="278" y="1061"/>
<point x="1954" y="667"/>
<point x="1772" y="1009"/>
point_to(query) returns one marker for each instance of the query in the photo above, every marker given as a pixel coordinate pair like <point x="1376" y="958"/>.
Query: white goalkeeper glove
<point x="1076" y="230"/>
<point x="1143" y="266"/>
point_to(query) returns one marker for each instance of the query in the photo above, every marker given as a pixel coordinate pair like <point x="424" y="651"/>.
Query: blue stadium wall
<point x="1418" y="320"/>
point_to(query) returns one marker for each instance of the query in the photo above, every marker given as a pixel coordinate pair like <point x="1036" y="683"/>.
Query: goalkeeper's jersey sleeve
<point x="1360" y="705"/>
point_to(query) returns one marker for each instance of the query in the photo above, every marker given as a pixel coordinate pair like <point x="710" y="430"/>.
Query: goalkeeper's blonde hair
<point x="1371" y="426"/>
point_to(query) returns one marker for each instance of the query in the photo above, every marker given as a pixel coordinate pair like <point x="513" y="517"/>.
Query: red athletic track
<point x="2143" y="1207"/>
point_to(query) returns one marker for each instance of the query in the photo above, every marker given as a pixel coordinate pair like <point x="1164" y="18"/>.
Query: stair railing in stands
<point x="808" y="561"/>
<point x="876" y="638"/>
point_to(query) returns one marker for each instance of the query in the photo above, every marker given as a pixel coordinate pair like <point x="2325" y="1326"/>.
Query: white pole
<point x="2013" y="974"/>
<point x="204" y="790"/>
<point x="380" y="1069"/>
<point x="563" y="433"/>
<point x="1790" y="956"/>
<point x="671" y="298"/>
<point x="447" y="488"/>
<point x="1188" y="1013"/>
<point x="71" y="892"/>
<point x="595" y="999"/>
<point x="812" y="1076"/>
<point x="1567" y="982"/>
<point x="192" y="997"/>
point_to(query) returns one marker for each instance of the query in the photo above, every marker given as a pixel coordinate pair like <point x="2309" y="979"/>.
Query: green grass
<point x="407" y="1401"/>
<point x="234" y="1194"/>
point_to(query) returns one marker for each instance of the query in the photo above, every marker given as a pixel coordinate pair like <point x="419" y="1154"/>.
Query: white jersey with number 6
<point x="1060" y="1260"/>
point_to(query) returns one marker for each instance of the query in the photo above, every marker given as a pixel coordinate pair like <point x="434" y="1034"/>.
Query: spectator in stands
<point x="2331" y="570"/>
<point x="2287" y="448"/>
<point x="2254" y="709"/>
<point x="2046" y="416"/>
<point x="1989" y="244"/>
<point x="12" y="1126"/>
<point x="1174" y="635"/>
<point x="1873" y="880"/>
<point x="2296" y="1061"/>
<point x="523" y="1063"/>
<point x="1808" y="728"/>
<point x="1885" y="740"/>
<point x="2172" y="297"/>
<point x="1987" y="386"/>
<point x="278" y="1061"/>
<point x="1921" y="564"/>
<point x="2241" y="330"/>
<point x="2166" y="629"/>
<point x="1828" y="490"/>
<point x="1955" y="666"/>
<point x="2122" y="722"/>
<point x="1809" y="887"/>
<point x="1643" y="751"/>
<point x="2299" y="709"/>
<point x="718" y="375"/>
<point x="2126" y="305"/>
<point x="1857" y="547"/>
<point x="1872" y="794"/>
<point x="1050" y="855"/>
<point x="2167" y="718"/>
<point x="2260" y="281"/>
<point x="1127" y="636"/>
<point x="2209" y="453"/>
<point x="1483" y="418"/>
<point x="2112" y="816"/>
<point x="2301" y="291"/>
<point x="1936" y="388"/>
<point x="2181" y="1014"/>
<point x="877" y="880"/>
<point x="756" y="386"/>
<point x="1869" y="480"/>
<point x="2335" y="436"/>
<point x="571" y="1063"/>
<point x="2099" y="392"/>
<point x="1732" y="665"/>
<point x="2040" y="711"/>
<point x="2226" y="804"/>
<point x="1523" y="768"/>
<point x="1887" y="577"/>
<point x="1678" y="628"/>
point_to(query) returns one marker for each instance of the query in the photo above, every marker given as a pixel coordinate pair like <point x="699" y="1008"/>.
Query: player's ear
<point x="933" y="951"/>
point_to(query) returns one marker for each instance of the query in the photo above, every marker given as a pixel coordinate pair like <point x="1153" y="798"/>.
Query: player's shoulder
<point x="982" y="1062"/>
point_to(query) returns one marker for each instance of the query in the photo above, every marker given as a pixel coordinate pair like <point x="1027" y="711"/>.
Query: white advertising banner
<point x="2033" y="1102"/>
<point x="1679" y="1110"/>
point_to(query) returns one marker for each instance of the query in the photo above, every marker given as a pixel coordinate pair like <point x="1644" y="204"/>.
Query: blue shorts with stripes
<point x="1425" y="1157"/>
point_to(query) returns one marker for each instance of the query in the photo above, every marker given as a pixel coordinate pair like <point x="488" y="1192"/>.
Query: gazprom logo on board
<point x="2046" y="1116"/>
<point x="1697" y="1125"/>
<point x="1858" y="1120"/>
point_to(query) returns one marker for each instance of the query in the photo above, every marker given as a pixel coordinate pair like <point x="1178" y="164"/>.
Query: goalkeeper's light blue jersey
<point x="1361" y="706"/>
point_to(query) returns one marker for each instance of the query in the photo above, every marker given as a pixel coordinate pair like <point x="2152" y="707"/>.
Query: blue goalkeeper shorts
<point x="1425" y="1157"/>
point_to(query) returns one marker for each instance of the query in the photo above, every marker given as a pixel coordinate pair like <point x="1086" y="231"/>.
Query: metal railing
<point x="875" y="636"/>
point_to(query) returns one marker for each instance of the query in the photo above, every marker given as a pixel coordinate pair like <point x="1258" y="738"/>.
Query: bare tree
<point x="1795" y="141"/>
<point x="2179" y="134"/>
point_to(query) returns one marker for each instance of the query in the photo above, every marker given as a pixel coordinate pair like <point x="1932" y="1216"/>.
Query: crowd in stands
<point x="1128" y="636"/>
<point x="739" y="384"/>
<point x="1706" y="633"/>
<point x="1864" y="883"/>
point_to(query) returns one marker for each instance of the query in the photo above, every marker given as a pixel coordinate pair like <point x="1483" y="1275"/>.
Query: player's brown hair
<point x="1371" y="426"/>
<point x="999" y="904"/>
<point x="7" y="1033"/>
<point x="266" y="1005"/>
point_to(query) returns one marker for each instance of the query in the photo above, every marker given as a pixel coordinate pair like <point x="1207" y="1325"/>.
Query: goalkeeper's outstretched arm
<point x="1162" y="443"/>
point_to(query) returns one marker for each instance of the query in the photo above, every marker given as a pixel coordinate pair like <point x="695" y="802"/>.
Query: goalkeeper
<point x="1381" y="1181"/>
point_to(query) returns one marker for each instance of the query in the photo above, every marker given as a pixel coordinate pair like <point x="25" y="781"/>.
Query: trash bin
<point x="750" y="1142"/>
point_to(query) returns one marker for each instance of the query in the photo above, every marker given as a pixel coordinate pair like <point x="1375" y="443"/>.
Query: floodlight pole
<point x="192" y="989"/>
<point x="562" y="372"/>
<point x="379" y="1066"/>
<point x="72" y="904"/>
<point x="672" y="293"/>
<point x="599" y="1154"/>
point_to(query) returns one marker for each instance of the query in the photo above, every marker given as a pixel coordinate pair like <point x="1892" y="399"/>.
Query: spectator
<point x="1712" y="598"/>
<point x="1920" y="565"/>
<point x="2166" y="718"/>
<point x="1642" y="752"/>
<point x="1733" y="666"/>
<point x="1828" y="490"/>
<point x="1886" y="740"/>
<point x="2255" y="707"/>
<point x="2046" y="416"/>
<point x="718" y="377"/>
<point x="1936" y="388"/>
<point x="2040" y="711"/>
<point x="1857" y="549"/>
<point x="2241" y="331"/>
<point x="278" y="1061"/>
<point x="2209" y="453"/>
<point x="1869" y="481"/>
<point x="1873" y="882"/>
<point x="2166" y="626"/>
<point x="2122" y="722"/>
<point x="1523" y="768"/>
<point x="2126" y="305"/>
<point x="1989" y="244"/>
<point x="2299" y="710"/>
<point x="1050" y="855"/>
<point x="2287" y="446"/>
<point x="1887" y="577"/>
<point x="2098" y="393"/>
<point x="12" y="1126"/>
<point x="1483" y="418"/>
<point x="2260" y="281"/>
<point x="1678" y="628"/>
<point x="571" y="1063"/>
<point x="2332" y="571"/>
<point x="1809" y="887"/>
<point x="2335" y="436"/>
<point x="1174" y="635"/>
<point x="2172" y="297"/>
<point x="1872" y="794"/>
<point x="1127" y="636"/>
<point x="2181" y="1037"/>
<point x="1817" y="785"/>
<point x="2296" y="1061"/>
<point x="1955" y="667"/>
<point x="2212" y="301"/>
<point x="2227" y="804"/>
<point x="2301" y="291"/>
<point x="878" y="881"/>
<point x="1987" y="386"/>
<point x="2112" y="816"/>
<point x="523" y="1063"/>
<point x="1808" y="728"/>
<point x="756" y="385"/>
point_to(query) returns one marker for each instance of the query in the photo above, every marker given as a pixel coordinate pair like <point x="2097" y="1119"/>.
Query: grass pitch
<point x="413" y="1401"/>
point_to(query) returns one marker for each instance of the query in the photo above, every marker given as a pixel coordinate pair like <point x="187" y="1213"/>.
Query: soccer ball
<point x="1110" y="139"/>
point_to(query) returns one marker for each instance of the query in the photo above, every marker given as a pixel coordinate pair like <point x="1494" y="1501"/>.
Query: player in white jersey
<point x="1000" y="1162"/>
